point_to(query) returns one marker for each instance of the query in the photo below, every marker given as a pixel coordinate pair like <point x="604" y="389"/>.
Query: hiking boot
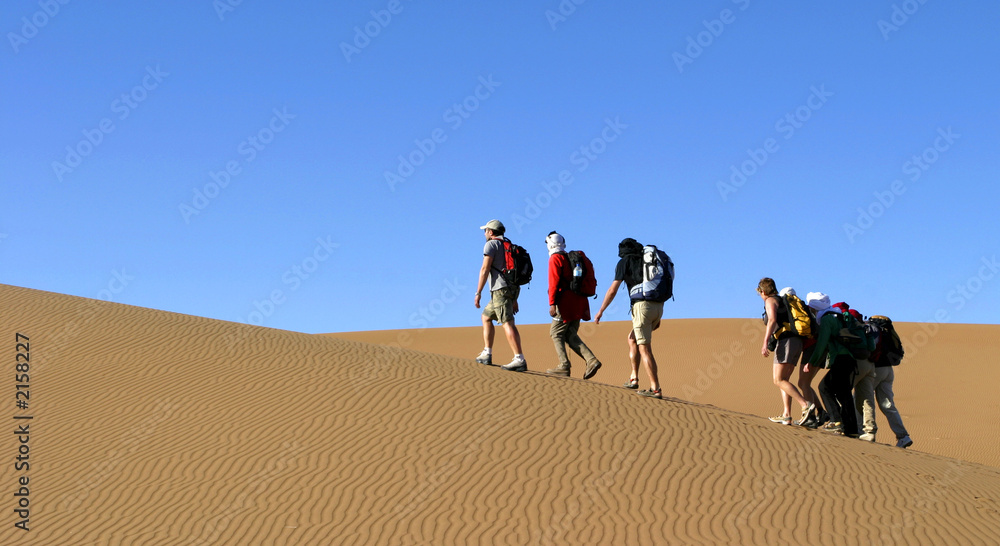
<point x="781" y="419"/>
<point x="651" y="393"/>
<point x="904" y="442"/>
<point x="560" y="371"/>
<point x="592" y="369"/>
<point x="868" y="437"/>
<point x="485" y="358"/>
<point x="516" y="365"/>
<point x="632" y="384"/>
<point x="833" y="427"/>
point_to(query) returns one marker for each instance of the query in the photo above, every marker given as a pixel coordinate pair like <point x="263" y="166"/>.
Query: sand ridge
<point x="717" y="362"/>
<point x="159" y="428"/>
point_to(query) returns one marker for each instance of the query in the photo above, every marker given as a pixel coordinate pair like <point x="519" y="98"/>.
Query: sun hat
<point x="495" y="225"/>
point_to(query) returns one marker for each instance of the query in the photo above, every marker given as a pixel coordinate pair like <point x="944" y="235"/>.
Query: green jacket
<point x="828" y="346"/>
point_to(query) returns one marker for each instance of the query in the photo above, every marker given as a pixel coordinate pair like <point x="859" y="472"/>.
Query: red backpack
<point x="517" y="269"/>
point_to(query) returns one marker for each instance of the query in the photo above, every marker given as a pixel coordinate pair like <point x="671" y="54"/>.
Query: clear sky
<point x="325" y="166"/>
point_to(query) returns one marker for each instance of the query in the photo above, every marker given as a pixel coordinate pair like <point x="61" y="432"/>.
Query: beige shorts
<point x="645" y="318"/>
<point x="501" y="306"/>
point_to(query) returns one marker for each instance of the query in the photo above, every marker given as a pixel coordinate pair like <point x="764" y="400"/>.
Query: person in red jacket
<point x="567" y="309"/>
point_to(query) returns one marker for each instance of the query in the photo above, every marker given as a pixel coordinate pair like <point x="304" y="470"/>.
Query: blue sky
<point x="324" y="166"/>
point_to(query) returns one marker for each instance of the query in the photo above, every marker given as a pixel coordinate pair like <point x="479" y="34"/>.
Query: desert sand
<point x="948" y="370"/>
<point x="149" y="427"/>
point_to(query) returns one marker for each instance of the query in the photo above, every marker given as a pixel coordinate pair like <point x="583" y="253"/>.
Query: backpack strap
<point x="505" y="245"/>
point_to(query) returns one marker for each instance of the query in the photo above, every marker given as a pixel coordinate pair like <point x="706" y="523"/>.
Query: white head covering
<point x="820" y="302"/>
<point x="556" y="243"/>
<point x="787" y="291"/>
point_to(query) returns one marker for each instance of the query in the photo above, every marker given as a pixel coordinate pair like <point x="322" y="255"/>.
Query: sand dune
<point x="157" y="428"/>
<point x="947" y="371"/>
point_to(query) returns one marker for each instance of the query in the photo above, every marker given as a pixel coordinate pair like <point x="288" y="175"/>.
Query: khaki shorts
<point x="788" y="350"/>
<point x="501" y="306"/>
<point x="645" y="318"/>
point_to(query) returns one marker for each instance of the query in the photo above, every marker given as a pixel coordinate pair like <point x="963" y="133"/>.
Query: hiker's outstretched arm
<point x="608" y="297"/>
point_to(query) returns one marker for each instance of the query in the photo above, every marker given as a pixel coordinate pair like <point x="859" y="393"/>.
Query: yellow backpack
<point x="800" y="321"/>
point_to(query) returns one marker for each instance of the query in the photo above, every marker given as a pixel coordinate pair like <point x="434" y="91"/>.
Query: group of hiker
<point x="858" y="353"/>
<point x="646" y="271"/>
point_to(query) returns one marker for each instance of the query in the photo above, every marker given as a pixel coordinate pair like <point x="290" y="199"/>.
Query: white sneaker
<point x="867" y="437"/>
<point x="485" y="358"/>
<point x="904" y="442"/>
<point x="516" y="365"/>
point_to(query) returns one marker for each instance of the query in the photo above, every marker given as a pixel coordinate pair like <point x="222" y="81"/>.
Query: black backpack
<point x="889" y="350"/>
<point x="586" y="284"/>
<point x="517" y="268"/>
<point x="657" y="276"/>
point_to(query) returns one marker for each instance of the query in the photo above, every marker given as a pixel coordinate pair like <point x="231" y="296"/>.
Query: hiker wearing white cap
<point x="787" y="350"/>
<point x="503" y="299"/>
<point x="837" y="386"/>
<point x="569" y="287"/>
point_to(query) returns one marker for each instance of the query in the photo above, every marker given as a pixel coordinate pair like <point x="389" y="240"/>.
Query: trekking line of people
<point x="647" y="272"/>
<point x="859" y="355"/>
